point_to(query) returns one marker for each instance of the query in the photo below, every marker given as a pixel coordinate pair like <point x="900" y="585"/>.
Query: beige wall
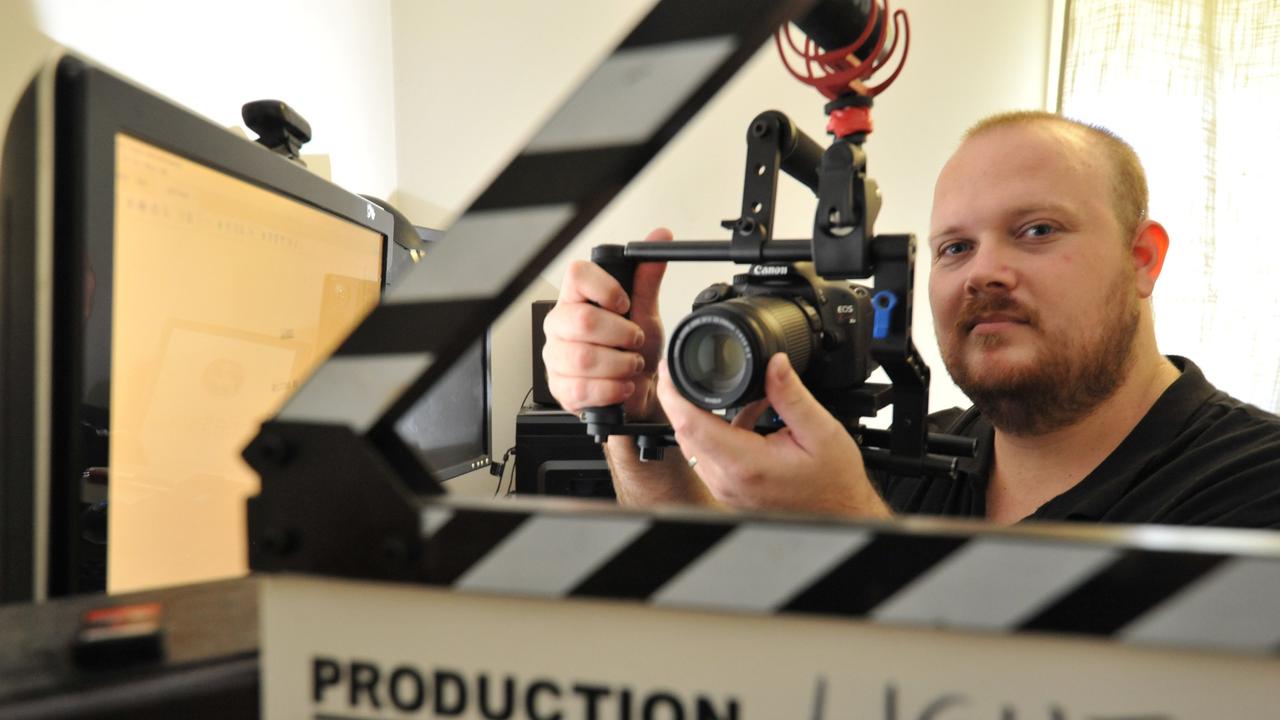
<point x="330" y="60"/>
<point x="22" y="46"/>
<point x="433" y="114"/>
<point x="474" y="81"/>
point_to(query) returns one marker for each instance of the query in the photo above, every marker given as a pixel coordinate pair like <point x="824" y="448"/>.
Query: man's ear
<point x="1150" y="245"/>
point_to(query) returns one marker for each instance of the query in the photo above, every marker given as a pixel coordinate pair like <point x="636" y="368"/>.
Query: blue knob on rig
<point x="882" y="305"/>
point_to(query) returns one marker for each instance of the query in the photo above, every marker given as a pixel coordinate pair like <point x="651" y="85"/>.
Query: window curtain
<point x="1194" y="86"/>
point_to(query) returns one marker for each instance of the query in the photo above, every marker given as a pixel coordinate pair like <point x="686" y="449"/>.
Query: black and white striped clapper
<point x="1208" y="589"/>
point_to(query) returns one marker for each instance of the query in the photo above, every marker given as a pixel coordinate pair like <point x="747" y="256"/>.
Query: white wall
<point x="329" y="59"/>
<point x="470" y="81"/>
<point x="474" y="81"/>
<point x="22" y="46"/>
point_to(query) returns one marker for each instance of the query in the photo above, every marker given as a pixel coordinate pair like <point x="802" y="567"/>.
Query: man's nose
<point x="990" y="269"/>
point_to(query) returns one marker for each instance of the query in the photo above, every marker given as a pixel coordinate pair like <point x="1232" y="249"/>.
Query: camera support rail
<point x="843" y="247"/>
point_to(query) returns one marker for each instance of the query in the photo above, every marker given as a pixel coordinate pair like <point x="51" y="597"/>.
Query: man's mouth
<point x="993" y="321"/>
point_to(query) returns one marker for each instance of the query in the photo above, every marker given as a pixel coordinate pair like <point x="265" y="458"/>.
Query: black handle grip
<point x="615" y="262"/>
<point x="600" y="420"/>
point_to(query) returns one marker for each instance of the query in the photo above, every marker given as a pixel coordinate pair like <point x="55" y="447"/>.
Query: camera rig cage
<point x="844" y="246"/>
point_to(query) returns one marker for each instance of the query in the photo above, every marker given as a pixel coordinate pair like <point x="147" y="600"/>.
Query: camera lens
<point x="714" y="358"/>
<point x="719" y="352"/>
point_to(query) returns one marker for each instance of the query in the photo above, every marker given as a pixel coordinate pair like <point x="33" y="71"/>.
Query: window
<point x="1194" y="86"/>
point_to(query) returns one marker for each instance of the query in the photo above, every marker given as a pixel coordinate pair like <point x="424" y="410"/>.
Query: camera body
<point x="719" y="352"/>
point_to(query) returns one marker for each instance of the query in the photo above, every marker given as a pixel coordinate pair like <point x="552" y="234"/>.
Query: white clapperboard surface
<point x="552" y="610"/>
<point x="559" y="609"/>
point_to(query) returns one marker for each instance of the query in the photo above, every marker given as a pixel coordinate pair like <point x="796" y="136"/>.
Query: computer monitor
<point x="164" y="285"/>
<point x="449" y="426"/>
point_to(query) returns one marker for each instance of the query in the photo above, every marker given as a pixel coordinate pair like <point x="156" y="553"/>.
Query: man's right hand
<point x="594" y="356"/>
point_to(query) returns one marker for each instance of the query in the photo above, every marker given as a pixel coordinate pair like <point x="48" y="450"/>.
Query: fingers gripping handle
<point x="612" y="258"/>
<point x="615" y="262"/>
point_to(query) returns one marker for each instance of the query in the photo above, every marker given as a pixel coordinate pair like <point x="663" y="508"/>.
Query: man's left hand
<point x="810" y="465"/>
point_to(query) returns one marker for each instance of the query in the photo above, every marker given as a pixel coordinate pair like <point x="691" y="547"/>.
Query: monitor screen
<point x="165" y="284"/>
<point x="449" y="426"/>
<point x="225" y="296"/>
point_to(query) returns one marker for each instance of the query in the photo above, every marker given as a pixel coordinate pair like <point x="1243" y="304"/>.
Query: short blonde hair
<point x="1128" y="179"/>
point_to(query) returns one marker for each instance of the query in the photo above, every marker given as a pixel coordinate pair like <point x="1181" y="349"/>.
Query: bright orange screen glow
<point x="226" y="297"/>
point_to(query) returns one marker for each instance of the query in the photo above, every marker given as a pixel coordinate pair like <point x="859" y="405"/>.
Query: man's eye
<point x="1039" y="230"/>
<point x="952" y="249"/>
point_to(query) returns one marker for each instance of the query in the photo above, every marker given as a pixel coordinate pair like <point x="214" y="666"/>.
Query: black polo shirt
<point x="1199" y="457"/>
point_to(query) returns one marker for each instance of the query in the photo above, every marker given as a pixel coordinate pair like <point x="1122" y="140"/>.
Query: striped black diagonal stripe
<point x="1121" y="592"/>
<point x="566" y="176"/>
<point x="465" y="540"/>
<point x="671" y="21"/>
<point x="412" y="328"/>
<point x="872" y="575"/>
<point x="652" y="560"/>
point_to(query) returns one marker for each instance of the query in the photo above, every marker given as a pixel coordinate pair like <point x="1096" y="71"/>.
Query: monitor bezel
<point x="90" y="107"/>
<point x="26" y="181"/>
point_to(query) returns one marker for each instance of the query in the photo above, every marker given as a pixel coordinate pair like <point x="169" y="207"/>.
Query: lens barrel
<point x="718" y="354"/>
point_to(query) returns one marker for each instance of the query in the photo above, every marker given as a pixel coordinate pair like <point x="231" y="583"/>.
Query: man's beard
<point x="1074" y="376"/>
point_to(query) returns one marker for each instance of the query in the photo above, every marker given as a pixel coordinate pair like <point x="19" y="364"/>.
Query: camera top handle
<point x="843" y="247"/>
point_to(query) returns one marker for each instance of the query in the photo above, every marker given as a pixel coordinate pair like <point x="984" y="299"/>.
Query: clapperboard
<point x="382" y="602"/>
<point x="557" y="608"/>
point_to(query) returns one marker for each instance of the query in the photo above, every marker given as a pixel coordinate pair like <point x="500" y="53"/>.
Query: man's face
<point x="1032" y="289"/>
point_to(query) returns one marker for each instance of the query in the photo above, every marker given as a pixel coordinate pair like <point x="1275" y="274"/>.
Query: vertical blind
<point x="1194" y="86"/>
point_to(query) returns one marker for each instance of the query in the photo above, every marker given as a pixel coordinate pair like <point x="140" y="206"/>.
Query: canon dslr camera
<point x="719" y="352"/>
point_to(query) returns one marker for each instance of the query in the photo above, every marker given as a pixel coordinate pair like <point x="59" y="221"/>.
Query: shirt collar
<point x="1091" y="498"/>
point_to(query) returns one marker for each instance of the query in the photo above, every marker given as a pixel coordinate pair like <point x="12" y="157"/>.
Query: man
<point x="1043" y="261"/>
